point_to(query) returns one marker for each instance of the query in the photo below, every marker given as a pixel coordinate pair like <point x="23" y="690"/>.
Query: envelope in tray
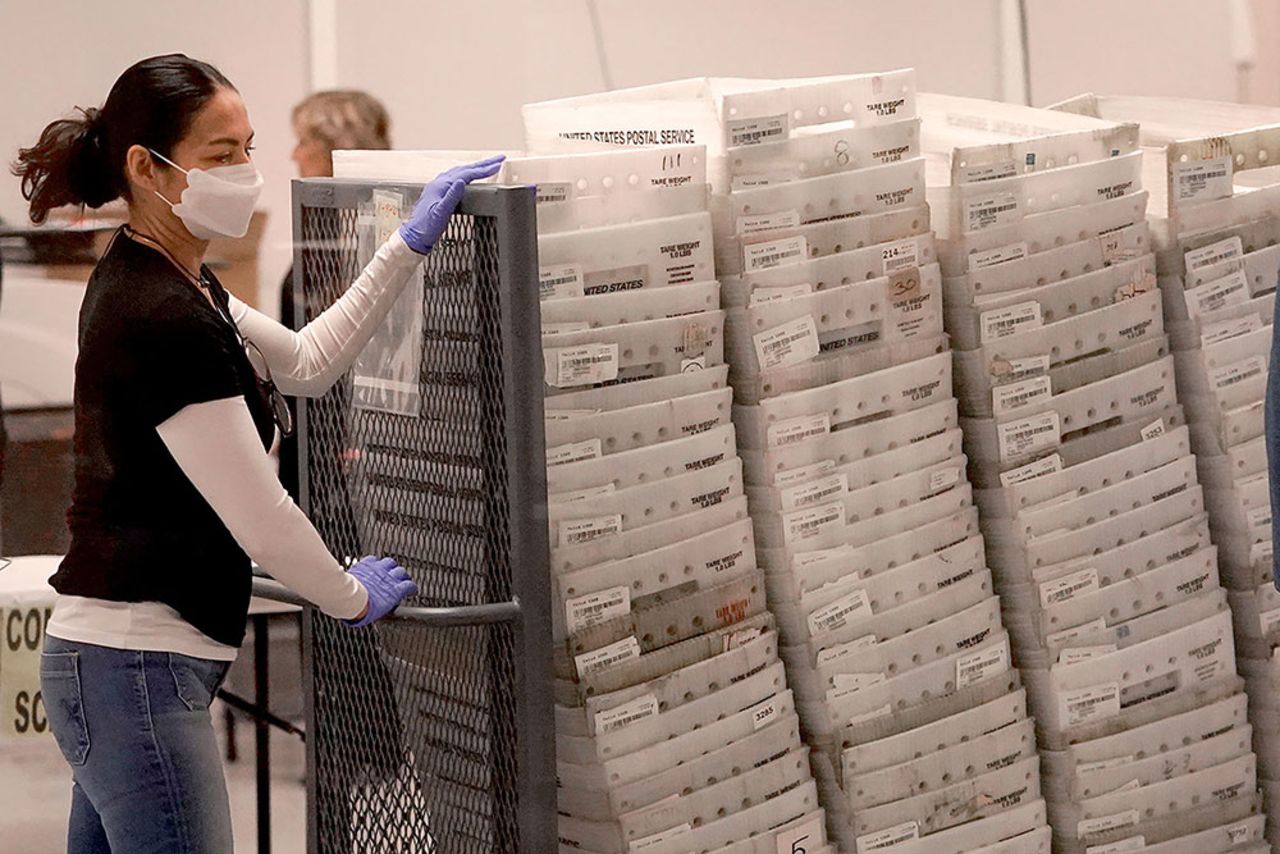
<point x="862" y="761"/>
<point x="1044" y="231"/>
<point x="989" y="661"/>
<point x="594" y="401"/>
<point x="577" y="313"/>
<point x="669" y="690"/>
<point x="740" y="740"/>
<point x="1174" y="828"/>
<point x="588" y="596"/>
<point x="1239" y="837"/>
<point x="750" y="389"/>
<point x="651" y="253"/>
<point x="740" y="827"/>
<point x="827" y="272"/>
<point x="792" y="331"/>
<point x="875" y="189"/>
<point x="647" y="537"/>
<point x="956" y="804"/>
<point x="593" y="435"/>
<point x="633" y="351"/>
<point x="1103" y="686"/>
<point x="994" y="315"/>
<point x="1086" y="477"/>
<point x="802" y="835"/>
<point x="1012" y="268"/>
<point x="957" y="839"/>
<point x="1230" y="373"/>
<point x="796" y="487"/>
<point x="797" y="416"/>
<point x="778" y="247"/>
<point x="822" y="152"/>
<point x="637" y="730"/>
<point x="793" y="463"/>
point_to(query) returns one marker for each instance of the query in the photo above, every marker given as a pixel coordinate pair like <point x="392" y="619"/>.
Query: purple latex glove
<point x="439" y="199"/>
<point x="388" y="584"/>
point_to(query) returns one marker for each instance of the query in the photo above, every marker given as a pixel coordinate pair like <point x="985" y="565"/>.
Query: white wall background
<point x="455" y="72"/>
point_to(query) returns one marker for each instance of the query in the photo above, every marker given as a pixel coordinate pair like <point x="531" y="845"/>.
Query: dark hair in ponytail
<point x="81" y="160"/>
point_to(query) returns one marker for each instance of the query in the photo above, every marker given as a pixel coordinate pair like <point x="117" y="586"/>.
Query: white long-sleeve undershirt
<point x="309" y="362"/>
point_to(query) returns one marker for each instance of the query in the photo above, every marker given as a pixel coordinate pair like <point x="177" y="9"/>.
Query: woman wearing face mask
<point x="177" y="401"/>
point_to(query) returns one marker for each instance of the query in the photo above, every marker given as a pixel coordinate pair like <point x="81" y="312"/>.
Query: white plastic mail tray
<point x="1099" y="635"/>
<point x="778" y="247"/>
<point x="742" y="826"/>
<point x="795" y="417"/>
<point x="822" y="152"/>
<point x="805" y="484"/>
<point x="632" y="352"/>
<point x="648" y="254"/>
<point x="640" y="426"/>
<point x="1020" y="830"/>
<point x="1133" y="557"/>
<point x="786" y="465"/>
<point x="1168" y="765"/>
<point x="609" y="398"/>
<point x="750" y="389"/>
<point x="578" y="313"/>
<point x="1044" y="149"/>
<point x="589" y="476"/>
<point x="829" y="271"/>
<point x="602" y="173"/>
<point x="871" y="190"/>
<point x="1012" y="268"/>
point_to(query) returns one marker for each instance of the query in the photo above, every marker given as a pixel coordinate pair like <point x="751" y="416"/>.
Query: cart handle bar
<point x="459" y="615"/>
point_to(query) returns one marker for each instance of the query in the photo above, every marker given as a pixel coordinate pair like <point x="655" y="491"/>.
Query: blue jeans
<point x="136" y="730"/>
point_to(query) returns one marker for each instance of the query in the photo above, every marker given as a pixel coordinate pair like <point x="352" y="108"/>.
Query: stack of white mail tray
<point x="1095" y="521"/>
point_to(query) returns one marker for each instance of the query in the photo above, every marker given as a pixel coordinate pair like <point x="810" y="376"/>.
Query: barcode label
<point x="1237" y="372"/>
<point x="1106" y="764"/>
<point x="1014" y="396"/>
<point x="813" y="558"/>
<point x="1026" y="437"/>
<point x="1031" y="471"/>
<point x="1097" y="702"/>
<point x="1075" y="655"/>
<point x="761" y="179"/>
<point x="1259" y="517"/>
<point x="562" y="328"/>
<point x="561" y="282"/>
<point x="579" y="531"/>
<point x="568" y="414"/>
<point x="788" y="344"/>
<point x="990" y="211"/>
<point x="767" y="222"/>
<point x="775" y="253"/>
<point x="943" y="478"/>
<point x="1102" y="824"/>
<point x="1214" y="254"/>
<point x="659" y="838"/>
<point x="1225" y="330"/>
<point x="553" y="192"/>
<point x="582" y="494"/>
<point x="1203" y="180"/>
<point x="605" y="657"/>
<point x="979" y="666"/>
<point x="840" y="613"/>
<point x="889" y="838"/>
<point x="764" y="295"/>
<point x="791" y="477"/>
<point x="1002" y="322"/>
<point x="757" y="130"/>
<point x="806" y="524"/>
<point x="1076" y="632"/>
<point x="1012" y="370"/>
<point x="737" y="639"/>
<point x="621" y="717"/>
<point x="1154" y="430"/>
<point x="999" y="255"/>
<point x="900" y="255"/>
<point x="574" y="452"/>
<point x="1231" y="289"/>
<point x="795" y="430"/>
<point x="848" y="683"/>
<point x="764" y="714"/>
<point x="818" y="492"/>
<point x="588" y="364"/>
<point x="596" y="608"/>
<point x="844" y="650"/>
<point x="1261" y="551"/>
<point x="1114" y="248"/>
<point x="1133" y="843"/>
<point x="1069" y="587"/>
<point x="988" y="172"/>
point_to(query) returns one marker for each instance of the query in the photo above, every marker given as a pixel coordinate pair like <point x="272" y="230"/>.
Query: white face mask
<point x="217" y="202"/>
